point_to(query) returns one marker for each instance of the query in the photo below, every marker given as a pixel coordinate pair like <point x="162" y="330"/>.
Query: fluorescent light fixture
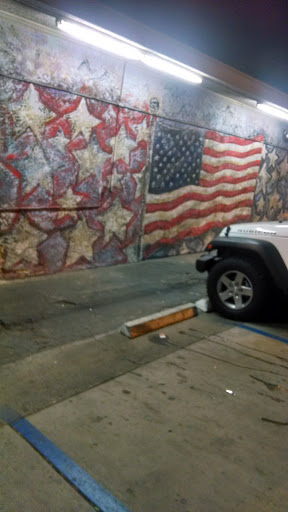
<point x="128" y="50"/>
<point x="101" y="40"/>
<point x="172" y="68"/>
<point x="273" y="110"/>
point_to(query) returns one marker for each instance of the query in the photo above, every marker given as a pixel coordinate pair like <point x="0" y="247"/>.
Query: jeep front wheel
<point x="237" y="288"/>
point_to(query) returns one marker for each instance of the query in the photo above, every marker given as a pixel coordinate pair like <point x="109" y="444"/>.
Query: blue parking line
<point x="259" y="331"/>
<point x="74" y="474"/>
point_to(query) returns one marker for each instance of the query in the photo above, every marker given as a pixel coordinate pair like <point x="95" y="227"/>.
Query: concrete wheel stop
<point x="159" y="320"/>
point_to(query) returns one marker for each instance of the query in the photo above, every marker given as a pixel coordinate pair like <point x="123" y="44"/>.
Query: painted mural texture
<point x="199" y="181"/>
<point x="71" y="180"/>
<point x="105" y="162"/>
<point x="271" y="192"/>
<point x="28" y="53"/>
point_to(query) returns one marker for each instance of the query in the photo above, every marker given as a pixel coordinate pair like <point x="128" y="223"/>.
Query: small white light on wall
<point x="273" y="110"/>
<point x="172" y="68"/>
<point x="101" y="40"/>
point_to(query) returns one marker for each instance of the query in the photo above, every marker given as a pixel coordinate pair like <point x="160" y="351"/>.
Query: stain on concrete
<point x="159" y="339"/>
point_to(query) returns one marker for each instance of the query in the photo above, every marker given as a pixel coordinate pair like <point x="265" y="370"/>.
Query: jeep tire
<point x="237" y="288"/>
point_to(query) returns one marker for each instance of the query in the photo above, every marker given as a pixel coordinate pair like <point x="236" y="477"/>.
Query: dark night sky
<point x="250" y="35"/>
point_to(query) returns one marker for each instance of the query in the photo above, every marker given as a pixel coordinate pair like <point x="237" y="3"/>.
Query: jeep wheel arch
<point x="261" y="252"/>
<point x="237" y="288"/>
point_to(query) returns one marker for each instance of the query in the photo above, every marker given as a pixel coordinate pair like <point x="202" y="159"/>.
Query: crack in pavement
<point x="248" y="355"/>
<point x="264" y="352"/>
<point x="269" y="385"/>
<point x="233" y="364"/>
<point x="275" y="421"/>
<point x="271" y="397"/>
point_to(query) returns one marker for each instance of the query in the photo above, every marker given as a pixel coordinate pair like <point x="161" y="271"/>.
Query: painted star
<point x="116" y="181"/>
<point x="109" y="115"/>
<point x="282" y="169"/>
<point x="123" y="145"/>
<point x="139" y="177"/>
<point x="142" y="131"/>
<point x="260" y="205"/>
<point x="82" y="121"/>
<point x="22" y="244"/>
<point x="264" y="152"/>
<point x="31" y="113"/>
<point x="91" y="160"/>
<point x="262" y="180"/>
<point x="9" y="184"/>
<point x="59" y="142"/>
<point x="38" y="171"/>
<point x="115" y="220"/>
<point x="81" y="243"/>
<point x="275" y="201"/>
<point x="273" y="157"/>
<point x="274" y="178"/>
<point x="69" y="199"/>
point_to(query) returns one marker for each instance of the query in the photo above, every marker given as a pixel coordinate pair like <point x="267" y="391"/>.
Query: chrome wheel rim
<point x="235" y="290"/>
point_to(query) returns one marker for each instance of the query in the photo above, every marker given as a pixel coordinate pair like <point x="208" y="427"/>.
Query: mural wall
<point x="103" y="162"/>
<point x="271" y="191"/>
<point x="71" y="170"/>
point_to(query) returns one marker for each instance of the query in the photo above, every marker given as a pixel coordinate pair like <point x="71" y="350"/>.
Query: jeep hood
<point x="257" y="229"/>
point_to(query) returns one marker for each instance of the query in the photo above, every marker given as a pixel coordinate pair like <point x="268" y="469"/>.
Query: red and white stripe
<point x="225" y="193"/>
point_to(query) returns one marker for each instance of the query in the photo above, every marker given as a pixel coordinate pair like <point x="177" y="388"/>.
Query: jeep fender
<point x="263" y="250"/>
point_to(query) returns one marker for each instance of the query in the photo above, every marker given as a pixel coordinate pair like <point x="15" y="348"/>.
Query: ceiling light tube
<point x="101" y="40"/>
<point x="172" y="68"/>
<point x="273" y="110"/>
<point x="128" y="50"/>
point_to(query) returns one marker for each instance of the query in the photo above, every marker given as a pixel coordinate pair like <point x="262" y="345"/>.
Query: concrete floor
<point x="149" y="419"/>
<point x="44" y="312"/>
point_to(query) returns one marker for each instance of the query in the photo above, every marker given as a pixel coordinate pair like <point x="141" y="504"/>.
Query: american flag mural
<point x="71" y="180"/>
<point x="199" y="180"/>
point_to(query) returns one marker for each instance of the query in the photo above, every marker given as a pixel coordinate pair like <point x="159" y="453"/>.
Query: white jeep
<point x="246" y="263"/>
